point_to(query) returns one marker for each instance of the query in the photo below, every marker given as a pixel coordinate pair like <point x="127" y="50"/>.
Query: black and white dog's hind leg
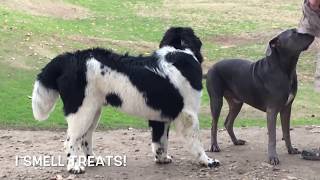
<point x="187" y="125"/>
<point x="78" y="125"/>
<point x="87" y="141"/>
<point x="160" y="133"/>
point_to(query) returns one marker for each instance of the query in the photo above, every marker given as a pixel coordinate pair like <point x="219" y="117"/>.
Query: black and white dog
<point x="164" y="87"/>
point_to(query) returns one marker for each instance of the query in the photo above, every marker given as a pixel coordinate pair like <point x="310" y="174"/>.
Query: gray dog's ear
<point x="272" y="44"/>
<point x="268" y="51"/>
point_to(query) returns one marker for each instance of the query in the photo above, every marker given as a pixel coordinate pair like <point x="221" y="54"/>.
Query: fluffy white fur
<point x="43" y="101"/>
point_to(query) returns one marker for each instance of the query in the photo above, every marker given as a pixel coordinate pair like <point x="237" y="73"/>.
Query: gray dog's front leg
<point x="271" y="121"/>
<point x="285" y="114"/>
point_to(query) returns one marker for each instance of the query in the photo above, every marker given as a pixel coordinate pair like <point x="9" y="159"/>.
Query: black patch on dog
<point x="68" y="155"/>
<point x="188" y="67"/>
<point x="157" y="130"/>
<point x="86" y="143"/>
<point x="102" y="73"/>
<point x="114" y="100"/>
<point x="66" y="73"/>
<point x="159" y="151"/>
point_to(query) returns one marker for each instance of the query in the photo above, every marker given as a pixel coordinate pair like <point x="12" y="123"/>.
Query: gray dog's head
<point x="289" y="42"/>
<point x="183" y="38"/>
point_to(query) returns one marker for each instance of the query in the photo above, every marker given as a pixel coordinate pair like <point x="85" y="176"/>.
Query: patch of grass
<point x="31" y="41"/>
<point x="205" y="122"/>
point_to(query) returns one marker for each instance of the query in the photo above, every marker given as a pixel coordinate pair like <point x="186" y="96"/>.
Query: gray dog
<point x="269" y="85"/>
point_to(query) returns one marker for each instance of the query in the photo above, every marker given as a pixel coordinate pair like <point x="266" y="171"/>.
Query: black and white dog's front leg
<point x="160" y="133"/>
<point x="187" y="125"/>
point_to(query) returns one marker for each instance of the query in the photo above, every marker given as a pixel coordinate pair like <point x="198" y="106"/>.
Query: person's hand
<point x="315" y="4"/>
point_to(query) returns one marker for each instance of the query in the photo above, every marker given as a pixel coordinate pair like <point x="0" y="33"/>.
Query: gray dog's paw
<point x="274" y="160"/>
<point x="215" y="148"/>
<point x="239" y="142"/>
<point x="293" y="151"/>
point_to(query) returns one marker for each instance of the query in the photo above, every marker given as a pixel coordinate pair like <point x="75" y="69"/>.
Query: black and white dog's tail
<point x="45" y="92"/>
<point x="43" y="101"/>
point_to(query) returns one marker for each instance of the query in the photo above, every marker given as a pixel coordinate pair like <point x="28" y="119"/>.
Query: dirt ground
<point x="238" y="162"/>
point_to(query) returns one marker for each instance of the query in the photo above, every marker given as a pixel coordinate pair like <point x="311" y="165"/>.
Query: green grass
<point x="226" y="28"/>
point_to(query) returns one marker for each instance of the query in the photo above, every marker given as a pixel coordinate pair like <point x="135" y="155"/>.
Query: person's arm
<point x="314" y="4"/>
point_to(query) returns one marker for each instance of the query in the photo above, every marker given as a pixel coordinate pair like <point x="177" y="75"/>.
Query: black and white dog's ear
<point x="171" y="39"/>
<point x="183" y="43"/>
<point x="272" y="45"/>
<point x="163" y="42"/>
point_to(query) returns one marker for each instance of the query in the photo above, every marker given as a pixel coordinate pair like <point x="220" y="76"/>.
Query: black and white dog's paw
<point x="75" y="168"/>
<point x="208" y="162"/>
<point x="213" y="163"/>
<point x="163" y="159"/>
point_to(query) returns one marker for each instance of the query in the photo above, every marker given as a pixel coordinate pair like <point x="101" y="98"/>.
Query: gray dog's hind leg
<point x="271" y="123"/>
<point x="285" y="114"/>
<point x="215" y="91"/>
<point x="215" y="105"/>
<point x="234" y="109"/>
